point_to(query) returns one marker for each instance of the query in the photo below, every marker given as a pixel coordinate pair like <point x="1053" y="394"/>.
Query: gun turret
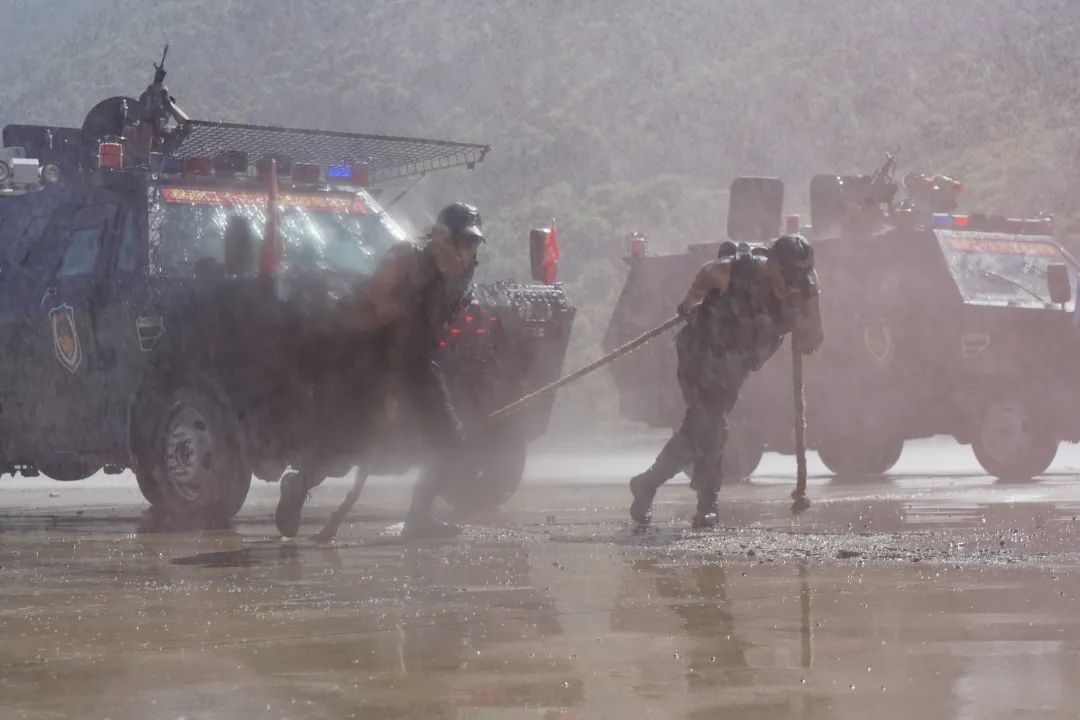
<point x="852" y="204"/>
<point x="157" y="109"/>
<point x="882" y="188"/>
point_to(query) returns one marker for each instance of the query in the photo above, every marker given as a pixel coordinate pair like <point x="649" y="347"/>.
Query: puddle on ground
<point x="534" y="628"/>
<point x="888" y="605"/>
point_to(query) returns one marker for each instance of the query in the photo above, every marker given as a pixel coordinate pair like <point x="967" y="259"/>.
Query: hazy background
<point x="610" y="115"/>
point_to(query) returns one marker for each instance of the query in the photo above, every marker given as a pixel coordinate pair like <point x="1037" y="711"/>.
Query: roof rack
<point x="389" y="157"/>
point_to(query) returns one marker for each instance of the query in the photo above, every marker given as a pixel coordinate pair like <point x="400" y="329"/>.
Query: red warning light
<point x="306" y="173"/>
<point x="111" y="156"/>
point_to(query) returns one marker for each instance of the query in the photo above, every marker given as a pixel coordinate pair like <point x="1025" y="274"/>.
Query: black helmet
<point x="728" y="248"/>
<point x="795" y="257"/>
<point x="463" y="221"/>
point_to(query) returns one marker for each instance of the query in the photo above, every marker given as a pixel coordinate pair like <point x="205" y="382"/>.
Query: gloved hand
<point x="682" y="311"/>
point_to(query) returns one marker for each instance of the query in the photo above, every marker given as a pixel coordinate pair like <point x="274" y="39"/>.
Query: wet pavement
<point x="932" y="592"/>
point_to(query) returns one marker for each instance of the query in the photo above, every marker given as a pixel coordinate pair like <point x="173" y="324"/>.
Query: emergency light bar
<point x="356" y="174"/>
<point x="199" y="166"/>
<point x="982" y="223"/>
<point x="306" y="173"/>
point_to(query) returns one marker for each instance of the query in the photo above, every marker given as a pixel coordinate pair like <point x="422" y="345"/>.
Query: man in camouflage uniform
<point x="416" y="290"/>
<point x="738" y="309"/>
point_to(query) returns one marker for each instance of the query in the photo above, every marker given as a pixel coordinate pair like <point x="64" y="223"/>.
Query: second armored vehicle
<point x="936" y="323"/>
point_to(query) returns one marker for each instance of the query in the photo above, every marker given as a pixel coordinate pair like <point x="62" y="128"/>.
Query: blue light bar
<point x="171" y="165"/>
<point x="941" y="220"/>
<point x="341" y="172"/>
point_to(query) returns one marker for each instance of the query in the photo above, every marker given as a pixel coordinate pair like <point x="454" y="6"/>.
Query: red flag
<point x="551" y="255"/>
<point x="272" y="249"/>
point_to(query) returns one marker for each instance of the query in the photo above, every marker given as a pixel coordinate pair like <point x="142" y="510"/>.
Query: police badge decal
<point x="66" y="337"/>
<point x="878" y="340"/>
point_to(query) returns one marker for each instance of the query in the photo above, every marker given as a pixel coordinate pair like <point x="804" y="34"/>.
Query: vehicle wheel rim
<point x="189" y="454"/>
<point x="1008" y="432"/>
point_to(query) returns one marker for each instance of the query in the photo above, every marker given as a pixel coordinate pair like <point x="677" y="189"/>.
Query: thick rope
<point x="566" y="379"/>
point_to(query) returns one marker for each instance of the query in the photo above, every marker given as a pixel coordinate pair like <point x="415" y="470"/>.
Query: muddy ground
<point x="931" y="592"/>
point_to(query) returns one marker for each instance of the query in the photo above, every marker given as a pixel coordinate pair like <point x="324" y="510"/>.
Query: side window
<point x="82" y="252"/>
<point x="126" y="260"/>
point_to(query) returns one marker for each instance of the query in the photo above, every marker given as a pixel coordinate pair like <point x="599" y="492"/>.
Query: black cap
<point x="728" y="248"/>
<point x="793" y="251"/>
<point x="463" y="221"/>
<point x="795" y="257"/>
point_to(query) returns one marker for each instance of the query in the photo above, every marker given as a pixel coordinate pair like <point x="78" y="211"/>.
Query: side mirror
<point x="537" y="238"/>
<point x="1057" y="280"/>
<point x="755" y="207"/>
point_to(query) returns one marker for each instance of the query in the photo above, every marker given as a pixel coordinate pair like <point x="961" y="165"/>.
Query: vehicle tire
<point x="191" y="463"/>
<point x="487" y="473"/>
<point x="853" y="457"/>
<point x="1010" y="443"/>
<point x="69" y="472"/>
<point x="742" y="455"/>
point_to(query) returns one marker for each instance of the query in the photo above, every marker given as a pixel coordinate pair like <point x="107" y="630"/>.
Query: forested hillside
<point x="611" y="115"/>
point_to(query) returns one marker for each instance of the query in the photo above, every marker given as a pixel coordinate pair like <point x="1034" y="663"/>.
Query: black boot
<point x="643" y="487"/>
<point x="706" y="515"/>
<point x="672" y="458"/>
<point x="419" y="523"/>
<point x="290" y="505"/>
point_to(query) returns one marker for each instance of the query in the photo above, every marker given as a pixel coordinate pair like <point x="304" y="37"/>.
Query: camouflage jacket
<point x="732" y="309"/>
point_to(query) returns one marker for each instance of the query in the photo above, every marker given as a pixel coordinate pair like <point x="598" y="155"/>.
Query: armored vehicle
<point x="138" y="331"/>
<point x="936" y="323"/>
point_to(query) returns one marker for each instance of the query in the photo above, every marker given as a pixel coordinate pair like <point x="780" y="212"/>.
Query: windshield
<point x="996" y="269"/>
<point x="321" y="232"/>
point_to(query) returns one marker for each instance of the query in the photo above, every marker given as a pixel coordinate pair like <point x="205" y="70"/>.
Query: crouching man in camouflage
<point x="738" y="309"/>
<point x="416" y="290"/>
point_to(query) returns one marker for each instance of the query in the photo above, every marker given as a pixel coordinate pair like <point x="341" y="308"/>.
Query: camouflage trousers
<point x="710" y="382"/>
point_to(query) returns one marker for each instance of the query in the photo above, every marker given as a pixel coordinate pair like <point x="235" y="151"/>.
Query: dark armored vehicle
<point x="137" y="332"/>
<point x="936" y="323"/>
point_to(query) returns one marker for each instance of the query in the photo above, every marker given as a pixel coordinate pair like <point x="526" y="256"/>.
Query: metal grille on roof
<point x="388" y="156"/>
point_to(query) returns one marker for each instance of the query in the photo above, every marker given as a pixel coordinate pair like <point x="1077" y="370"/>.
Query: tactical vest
<point x="433" y="300"/>
<point x="747" y="318"/>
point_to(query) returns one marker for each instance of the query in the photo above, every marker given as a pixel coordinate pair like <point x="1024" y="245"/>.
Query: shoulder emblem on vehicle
<point x="877" y="337"/>
<point x="66" y="337"/>
<point x="973" y="344"/>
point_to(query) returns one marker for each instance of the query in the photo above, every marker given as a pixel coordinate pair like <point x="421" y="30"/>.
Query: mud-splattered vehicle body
<point x="936" y="323"/>
<point x="131" y="339"/>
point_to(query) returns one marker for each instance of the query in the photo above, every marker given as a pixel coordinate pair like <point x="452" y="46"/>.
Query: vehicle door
<point x="76" y="359"/>
<point x="128" y="320"/>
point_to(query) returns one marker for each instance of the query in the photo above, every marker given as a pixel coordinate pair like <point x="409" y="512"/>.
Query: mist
<point x="610" y="117"/>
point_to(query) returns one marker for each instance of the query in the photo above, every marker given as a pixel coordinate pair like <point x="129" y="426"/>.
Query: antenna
<point x="159" y="69"/>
